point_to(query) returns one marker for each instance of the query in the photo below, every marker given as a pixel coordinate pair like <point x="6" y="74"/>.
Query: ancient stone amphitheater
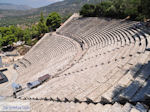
<point x="97" y="65"/>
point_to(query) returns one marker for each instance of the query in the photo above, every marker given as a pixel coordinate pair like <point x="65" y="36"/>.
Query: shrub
<point x="88" y="10"/>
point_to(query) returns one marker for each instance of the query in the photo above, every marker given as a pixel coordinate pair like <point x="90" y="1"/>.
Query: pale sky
<point x="32" y="3"/>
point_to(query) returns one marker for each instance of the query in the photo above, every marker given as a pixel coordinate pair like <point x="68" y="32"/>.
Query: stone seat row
<point x="38" y="105"/>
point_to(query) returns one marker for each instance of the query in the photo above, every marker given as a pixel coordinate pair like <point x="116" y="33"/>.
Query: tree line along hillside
<point x="134" y="9"/>
<point x="11" y="34"/>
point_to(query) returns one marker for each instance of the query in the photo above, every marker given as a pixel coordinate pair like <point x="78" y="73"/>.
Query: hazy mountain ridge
<point x="61" y="7"/>
<point x="8" y="6"/>
<point x="65" y="7"/>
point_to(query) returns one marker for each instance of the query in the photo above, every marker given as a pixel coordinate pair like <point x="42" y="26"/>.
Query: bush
<point x="104" y="8"/>
<point x="88" y="10"/>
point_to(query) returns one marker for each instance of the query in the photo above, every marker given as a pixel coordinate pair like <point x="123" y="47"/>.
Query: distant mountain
<point x="64" y="8"/>
<point x="8" y="6"/>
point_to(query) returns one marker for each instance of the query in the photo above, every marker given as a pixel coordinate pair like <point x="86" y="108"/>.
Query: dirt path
<point x="5" y="89"/>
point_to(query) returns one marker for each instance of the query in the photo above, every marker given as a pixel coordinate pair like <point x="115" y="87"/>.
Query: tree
<point x="27" y="36"/>
<point x="145" y="7"/>
<point x="42" y="28"/>
<point x="7" y="36"/>
<point x="8" y="40"/>
<point x="120" y="6"/>
<point x="87" y="10"/>
<point x="42" y="20"/>
<point x="18" y="32"/>
<point x="35" y="31"/>
<point x="53" y="21"/>
<point x="104" y="8"/>
<point x="132" y="8"/>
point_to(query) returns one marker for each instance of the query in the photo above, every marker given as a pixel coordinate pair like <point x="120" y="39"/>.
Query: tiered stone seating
<point x="53" y="52"/>
<point x="113" y="67"/>
<point x="138" y="87"/>
<point x="38" y="106"/>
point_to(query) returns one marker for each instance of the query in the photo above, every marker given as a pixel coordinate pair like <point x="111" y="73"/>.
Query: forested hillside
<point x="29" y="36"/>
<point x="64" y="8"/>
